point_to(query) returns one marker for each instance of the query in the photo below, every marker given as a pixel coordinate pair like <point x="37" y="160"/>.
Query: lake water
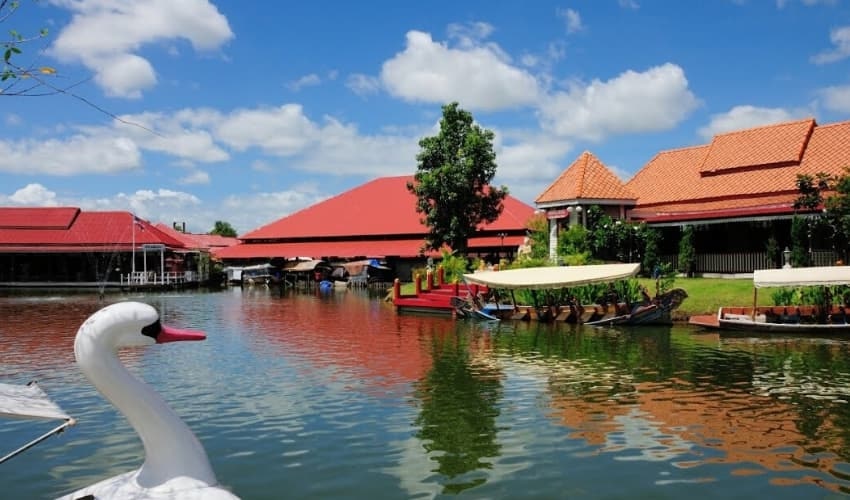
<point x="338" y="396"/>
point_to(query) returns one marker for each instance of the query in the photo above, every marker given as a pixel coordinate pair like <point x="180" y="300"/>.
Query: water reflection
<point x="336" y="395"/>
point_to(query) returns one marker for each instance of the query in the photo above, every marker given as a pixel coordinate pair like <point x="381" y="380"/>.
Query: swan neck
<point x="171" y="449"/>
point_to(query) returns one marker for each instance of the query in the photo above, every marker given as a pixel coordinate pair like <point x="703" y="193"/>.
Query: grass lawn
<point x="706" y="295"/>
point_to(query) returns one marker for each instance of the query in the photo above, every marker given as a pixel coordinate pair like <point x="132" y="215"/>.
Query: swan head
<point x="129" y="324"/>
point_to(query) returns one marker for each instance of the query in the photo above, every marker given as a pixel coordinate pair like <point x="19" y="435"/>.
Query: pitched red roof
<point x="197" y="241"/>
<point x="586" y="178"/>
<point x="676" y="182"/>
<point x="375" y="219"/>
<point x="782" y="143"/>
<point x="347" y="249"/>
<point x="50" y="229"/>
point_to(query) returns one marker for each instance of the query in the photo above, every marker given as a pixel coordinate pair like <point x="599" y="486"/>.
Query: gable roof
<point x="69" y="229"/>
<point x="586" y="178"/>
<point x="197" y="241"/>
<point x="778" y="144"/>
<point x="675" y="186"/>
<point x="375" y="219"/>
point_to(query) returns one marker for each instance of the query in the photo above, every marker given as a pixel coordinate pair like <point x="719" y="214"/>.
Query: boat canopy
<point x="552" y="277"/>
<point x="29" y="401"/>
<point x="802" y="276"/>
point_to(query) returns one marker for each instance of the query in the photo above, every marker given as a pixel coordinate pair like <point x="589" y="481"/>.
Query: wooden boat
<point x="795" y="319"/>
<point x="536" y="279"/>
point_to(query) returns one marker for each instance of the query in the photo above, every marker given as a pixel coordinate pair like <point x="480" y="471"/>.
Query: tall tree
<point x="452" y="181"/>
<point x="223" y="228"/>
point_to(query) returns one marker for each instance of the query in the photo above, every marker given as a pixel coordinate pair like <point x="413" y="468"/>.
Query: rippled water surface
<point x="337" y="396"/>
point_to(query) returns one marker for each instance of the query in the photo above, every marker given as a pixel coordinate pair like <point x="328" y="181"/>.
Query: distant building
<point x="58" y="246"/>
<point x="377" y="219"/>
<point x="738" y="191"/>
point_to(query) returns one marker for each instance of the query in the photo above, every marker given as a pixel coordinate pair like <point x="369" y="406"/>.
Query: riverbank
<point x="705" y="295"/>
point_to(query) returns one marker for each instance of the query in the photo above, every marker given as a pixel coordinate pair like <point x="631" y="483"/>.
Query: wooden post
<point x="418" y="283"/>
<point x="396" y="288"/>
<point x="755" y="302"/>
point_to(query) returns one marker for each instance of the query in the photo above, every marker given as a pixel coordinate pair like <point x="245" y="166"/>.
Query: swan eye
<point x="152" y="330"/>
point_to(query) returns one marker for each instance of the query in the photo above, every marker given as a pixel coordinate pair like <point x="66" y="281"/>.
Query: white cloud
<point x="743" y="117"/>
<point x="572" y="19"/>
<point x="479" y="76"/>
<point x="657" y="99"/>
<point x="528" y="162"/>
<point x="13" y="120"/>
<point x="31" y="195"/>
<point x="340" y="149"/>
<point x="840" y="38"/>
<point x="249" y="212"/>
<point x="105" y="36"/>
<point x="305" y="81"/>
<point x="175" y="134"/>
<point x="363" y="84"/>
<point x="196" y="177"/>
<point x="836" y="98"/>
<point x="629" y="4"/>
<point x="282" y="131"/>
<point x="78" y="154"/>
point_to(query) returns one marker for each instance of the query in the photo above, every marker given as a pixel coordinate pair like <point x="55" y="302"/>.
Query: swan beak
<point x="171" y="334"/>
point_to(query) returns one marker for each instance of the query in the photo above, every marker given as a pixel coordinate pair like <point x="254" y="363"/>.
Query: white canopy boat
<point x="559" y="277"/>
<point x="798" y="318"/>
<point x="30" y="402"/>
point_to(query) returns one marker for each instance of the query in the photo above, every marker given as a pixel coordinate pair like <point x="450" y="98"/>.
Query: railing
<point x="745" y="262"/>
<point x="152" y="278"/>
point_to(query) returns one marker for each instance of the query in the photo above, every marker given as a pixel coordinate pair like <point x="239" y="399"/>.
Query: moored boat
<point x="825" y="318"/>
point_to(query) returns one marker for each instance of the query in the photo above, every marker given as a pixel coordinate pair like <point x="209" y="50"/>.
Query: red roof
<point x="380" y="207"/>
<point x="739" y="171"/>
<point x="50" y="229"/>
<point x="586" y="179"/>
<point x="197" y="241"/>
<point x="782" y="143"/>
<point x="376" y="219"/>
<point x="349" y="248"/>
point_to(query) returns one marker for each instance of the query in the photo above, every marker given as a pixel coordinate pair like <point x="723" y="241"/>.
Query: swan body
<point x="176" y="464"/>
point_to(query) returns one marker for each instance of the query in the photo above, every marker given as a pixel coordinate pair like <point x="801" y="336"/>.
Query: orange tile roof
<point x="673" y="180"/>
<point x="586" y="178"/>
<point x="782" y="143"/>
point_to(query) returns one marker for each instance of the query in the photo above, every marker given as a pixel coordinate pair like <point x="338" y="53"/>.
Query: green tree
<point x="452" y="181"/>
<point x="687" y="252"/>
<point x="651" y="253"/>
<point x="799" y="242"/>
<point x="223" y="228"/>
<point x="538" y="236"/>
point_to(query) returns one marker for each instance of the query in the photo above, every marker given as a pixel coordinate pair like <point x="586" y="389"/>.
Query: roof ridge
<point x="771" y="125"/>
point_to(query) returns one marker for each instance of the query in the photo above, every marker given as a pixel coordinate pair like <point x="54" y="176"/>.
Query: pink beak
<point x="171" y="334"/>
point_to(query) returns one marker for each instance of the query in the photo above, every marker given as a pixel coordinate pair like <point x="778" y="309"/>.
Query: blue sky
<point x="247" y="112"/>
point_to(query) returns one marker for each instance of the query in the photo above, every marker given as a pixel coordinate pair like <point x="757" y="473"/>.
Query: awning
<point x="552" y="277"/>
<point x="29" y="401"/>
<point x="802" y="276"/>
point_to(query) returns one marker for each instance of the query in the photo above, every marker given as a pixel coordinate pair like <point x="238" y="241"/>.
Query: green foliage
<point x="576" y="259"/>
<point x="771" y="248"/>
<point x="223" y="228"/>
<point x="811" y="190"/>
<point x="651" y="258"/>
<point x="665" y="277"/>
<point x="799" y="242"/>
<point x="538" y="236"/>
<point x="454" y="266"/>
<point x="12" y="72"/>
<point x="687" y="252"/>
<point x="573" y="241"/>
<point x="452" y="181"/>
